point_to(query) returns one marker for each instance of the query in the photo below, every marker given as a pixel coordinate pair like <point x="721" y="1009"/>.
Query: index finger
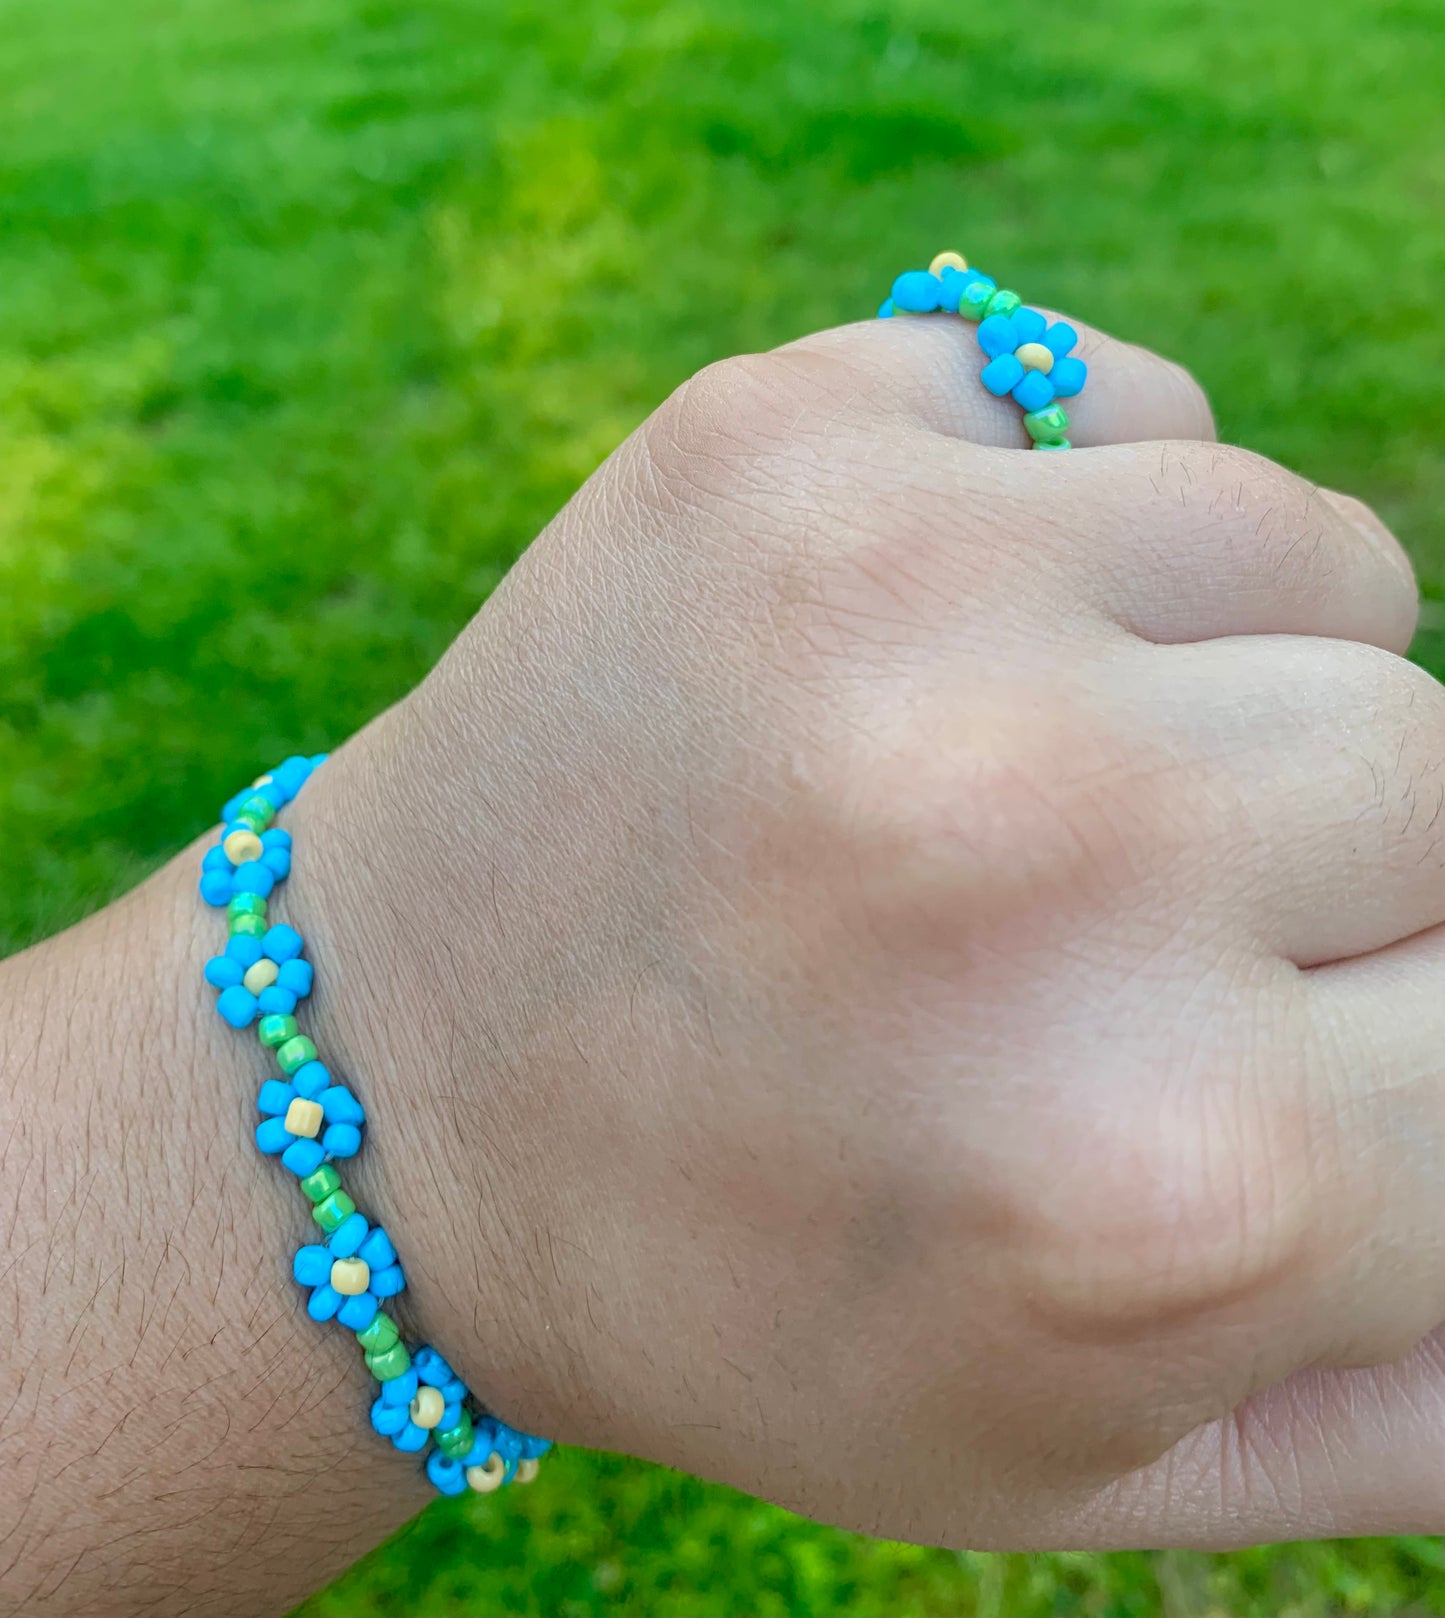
<point x="927" y="367"/>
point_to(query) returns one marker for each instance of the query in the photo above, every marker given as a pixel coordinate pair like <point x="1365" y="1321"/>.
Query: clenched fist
<point x="898" y="972"/>
<point x="909" y="966"/>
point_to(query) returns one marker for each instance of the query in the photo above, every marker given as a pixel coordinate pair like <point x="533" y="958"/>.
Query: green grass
<point x="313" y="311"/>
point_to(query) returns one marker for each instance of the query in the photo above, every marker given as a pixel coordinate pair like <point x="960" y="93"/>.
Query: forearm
<point x="177" y="1434"/>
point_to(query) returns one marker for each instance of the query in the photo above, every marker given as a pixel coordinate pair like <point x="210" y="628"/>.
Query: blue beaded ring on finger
<point x="1025" y="355"/>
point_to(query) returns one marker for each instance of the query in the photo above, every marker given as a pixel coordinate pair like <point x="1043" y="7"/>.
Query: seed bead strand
<point x="313" y="1122"/>
<point x="1027" y="355"/>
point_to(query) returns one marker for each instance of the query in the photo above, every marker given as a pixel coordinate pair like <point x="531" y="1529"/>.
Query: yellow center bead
<point x="304" y="1118"/>
<point x="947" y="261"/>
<point x="1035" y="356"/>
<point x="261" y="976"/>
<point x="241" y="846"/>
<point x="486" y="1478"/>
<point x="350" y="1276"/>
<point x="427" y="1407"/>
<point x="526" y="1471"/>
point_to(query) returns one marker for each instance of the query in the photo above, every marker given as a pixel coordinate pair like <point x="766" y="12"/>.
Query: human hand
<point x="896" y="973"/>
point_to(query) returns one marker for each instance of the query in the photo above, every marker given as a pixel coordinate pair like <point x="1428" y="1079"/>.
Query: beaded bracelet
<point x="1027" y="356"/>
<point x="312" y="1122"/>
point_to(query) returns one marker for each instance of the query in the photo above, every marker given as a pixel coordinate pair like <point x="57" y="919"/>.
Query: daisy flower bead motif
<point x="425" y="1404"/>
<point x="245" y="860"/>
<point x="353" y="1272"/>
<point x="252" y="855"/>
<point x="1030" y="358"/>
<point x="308" y="1119"/>
<point x="498" y="1454"/>
<point x="479" y="1453"/>
<point x="258" y="976"/>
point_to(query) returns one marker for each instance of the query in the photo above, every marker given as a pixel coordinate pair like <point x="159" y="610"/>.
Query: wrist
<point x="161" y="1353"/>
<point x="413" y="1008"/>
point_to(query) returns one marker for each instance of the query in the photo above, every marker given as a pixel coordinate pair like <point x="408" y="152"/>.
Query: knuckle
<point x="1398" y="709"/>
<point x="1266" y="523"/>
<point x="1190" y="399"/>
<point x="1276" y="514"/>
<point x="1391" y="698"/>
<point x="725" y="412"/>
<point x="1224" y="465"/>
<point x="747" y="400"/>
<point x="756" y="431"/>
<point x="1232" y="482"/>
<point x="1395" y="684"/>
<point x="1288" y="521"/>
<point x="725" y="393"/>
<point x="1176" y="394"/>
<point x="1176" y="1216"/>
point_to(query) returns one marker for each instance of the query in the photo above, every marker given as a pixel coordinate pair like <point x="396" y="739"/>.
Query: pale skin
<point x="898" y="973"/>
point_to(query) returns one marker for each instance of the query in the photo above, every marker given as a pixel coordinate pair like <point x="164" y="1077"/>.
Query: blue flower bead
<point x="221" y="881"/>
<point x="917" y="292"/>
<point x="448" y="1476"/>
<point x="280" y="787"/>
<point x="342" y="1114"/>
<point x="495" y="1437"/>
<point x="290" y="978"/>
<point x="1030" y="358"/>
<point x="955" y="291"/>
<point x="391" y="1415"/>
<point x="434" y="1372"/>
<point x="367" y="1251"/>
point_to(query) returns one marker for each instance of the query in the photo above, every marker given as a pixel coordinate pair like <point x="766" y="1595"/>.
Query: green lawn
<point x="313" y="311"/>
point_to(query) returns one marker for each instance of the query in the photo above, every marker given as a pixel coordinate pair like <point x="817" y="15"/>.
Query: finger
<point x="926" y="367"/>
<point x="1379" y="1019"/>
<point x="1189" y="541"/>
<point x="1307" y="779"/>
<point x="1273" y="779"/>
<point x="1321" y="1455"/>
<point x="1185" y="539"/>
<point x="1326" y="1452"/>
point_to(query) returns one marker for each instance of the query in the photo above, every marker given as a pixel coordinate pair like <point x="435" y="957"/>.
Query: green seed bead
<point x="456" y="1441"/>
<point x="330" y="1211"/>
<point x="252" y="822"/>
<point x="1003" y="302"/>
<point x="246" y="904"/>
<point x="1053" y="443"/>
<point x="296" y="1052"/>
<point x="974" y="300"/>
<point x="275" y="1030"/>
<point x="258" y="808"/>
<point x="379" y="1335"/>
<point x="1051" y="422"/>
<point x="319" y="1185"/>
<point x="389" y="1363"/>
<point x="248" y="926"/>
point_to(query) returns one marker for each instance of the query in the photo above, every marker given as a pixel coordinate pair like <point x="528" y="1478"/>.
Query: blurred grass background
<point x="313" y="311"/>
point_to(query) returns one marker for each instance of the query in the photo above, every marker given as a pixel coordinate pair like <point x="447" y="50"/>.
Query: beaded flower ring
<point x="312" y="1122"/>
<point x="1025" y="355"/>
